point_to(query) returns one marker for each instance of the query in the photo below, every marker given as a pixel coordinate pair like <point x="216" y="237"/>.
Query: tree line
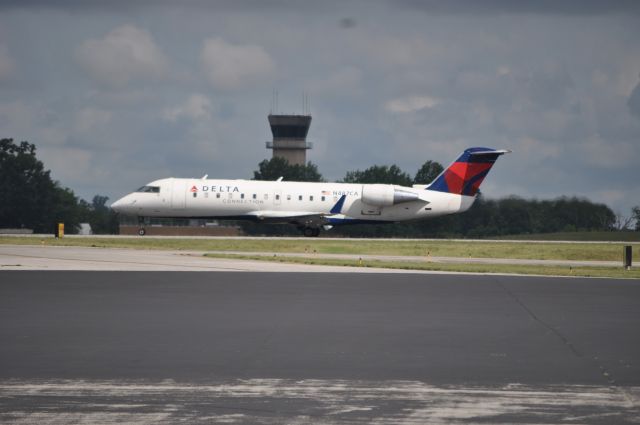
<point x="487" y="217"/>
<point x="31" y="199"/>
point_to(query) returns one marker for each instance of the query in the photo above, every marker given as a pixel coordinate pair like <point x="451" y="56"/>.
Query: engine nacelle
<point x="379" y="195"/>
<point x="385" y="195"/>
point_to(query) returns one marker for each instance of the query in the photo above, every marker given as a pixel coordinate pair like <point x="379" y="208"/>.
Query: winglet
<point x="337" y="208"/>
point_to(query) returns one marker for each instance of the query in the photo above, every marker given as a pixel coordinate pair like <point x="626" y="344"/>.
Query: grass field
<point x="578" y="236"/>
<point x="609" y="272"/>
<point x="445" y="248"/>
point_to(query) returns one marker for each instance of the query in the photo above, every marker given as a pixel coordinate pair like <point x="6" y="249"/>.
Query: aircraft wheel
<point x="142" y="231"/>
<point x="316" y="232"/>
<point x="309" y="231"/>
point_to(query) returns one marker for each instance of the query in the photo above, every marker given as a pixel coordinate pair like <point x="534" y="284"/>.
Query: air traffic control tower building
<point x="290" y="137"/>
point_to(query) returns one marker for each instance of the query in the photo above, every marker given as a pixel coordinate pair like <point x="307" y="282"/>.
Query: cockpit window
<point x="149" y="189"/>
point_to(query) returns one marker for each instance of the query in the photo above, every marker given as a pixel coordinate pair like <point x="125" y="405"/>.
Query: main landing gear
<point x="311" y="231"/>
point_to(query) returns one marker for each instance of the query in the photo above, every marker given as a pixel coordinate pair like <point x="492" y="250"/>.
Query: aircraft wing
<point x="296" y="217"/>
<point x="303" y="218"/>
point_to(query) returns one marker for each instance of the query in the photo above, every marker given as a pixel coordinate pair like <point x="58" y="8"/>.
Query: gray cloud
<point x="464" y="7"/>
<point x="634" y="101"/>
<point x="228" y="66"/>
<point x="7" y="64"/>
<point x="542" y="7"/>
<point x="125" y="53"/>
<point x="116" y="94"/>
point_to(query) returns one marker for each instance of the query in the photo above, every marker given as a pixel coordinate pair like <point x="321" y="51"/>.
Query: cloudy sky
<point x="118" y="93"/>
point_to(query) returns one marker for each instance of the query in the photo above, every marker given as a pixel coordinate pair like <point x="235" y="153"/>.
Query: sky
<point x="116" y="94"/>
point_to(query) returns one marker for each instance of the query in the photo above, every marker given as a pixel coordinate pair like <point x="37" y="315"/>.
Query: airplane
<point x="312" y="206"/>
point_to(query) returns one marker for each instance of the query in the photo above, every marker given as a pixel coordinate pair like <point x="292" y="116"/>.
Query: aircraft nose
<point x="121" y="205"/>
<point x="117" y="205"/>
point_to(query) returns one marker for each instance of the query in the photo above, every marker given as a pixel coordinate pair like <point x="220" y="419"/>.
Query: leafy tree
<point x="635" y="211"/>
<point x="66" y="209"/>
<point x="29" y="198"/>
<point x="103" y="220"/>
<point x="25" y="187"/>
<point x="428" y="172"/>
<point x="379" y="174"/>
<point x="507" y="216"/>
<point x="276" y="167"/>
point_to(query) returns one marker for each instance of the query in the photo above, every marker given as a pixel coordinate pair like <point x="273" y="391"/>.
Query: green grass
<point x="625" y="236"/>
<point x="488" y="249"/>
<point x="608" y="272"/>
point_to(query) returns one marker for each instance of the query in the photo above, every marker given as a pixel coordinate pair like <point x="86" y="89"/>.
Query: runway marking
<point x="275" y="401"/>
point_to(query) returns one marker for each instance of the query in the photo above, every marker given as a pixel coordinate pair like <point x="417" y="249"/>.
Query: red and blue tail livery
<point x="465" y="175"/>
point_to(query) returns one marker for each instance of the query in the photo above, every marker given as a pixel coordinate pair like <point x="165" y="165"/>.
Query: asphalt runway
<point x="66" y="258"/>
<point x="237" y="347"/>
<point x="35" y="257"/>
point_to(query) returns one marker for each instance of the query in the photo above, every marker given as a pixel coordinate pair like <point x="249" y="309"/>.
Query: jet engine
<point x="385" y="195"/>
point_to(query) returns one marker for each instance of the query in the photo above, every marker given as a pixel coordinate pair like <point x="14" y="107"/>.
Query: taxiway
<point x="235" y="347"/>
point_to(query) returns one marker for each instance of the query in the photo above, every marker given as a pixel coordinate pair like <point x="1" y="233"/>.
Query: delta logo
<point x="194" y="189"/>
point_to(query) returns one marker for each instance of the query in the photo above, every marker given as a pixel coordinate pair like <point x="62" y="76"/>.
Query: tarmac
<point x="34" y="257"/>
<point x="240" y="346"/>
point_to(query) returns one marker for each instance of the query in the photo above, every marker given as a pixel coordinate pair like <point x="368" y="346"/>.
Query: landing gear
<point x="311" y="231"/>
<point x="141" y="222"/>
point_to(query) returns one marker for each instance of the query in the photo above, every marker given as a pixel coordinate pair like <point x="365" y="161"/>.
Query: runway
<point x="34" y="257"/>
<point x="237" y="347"/>
<point x="67" y="258"/>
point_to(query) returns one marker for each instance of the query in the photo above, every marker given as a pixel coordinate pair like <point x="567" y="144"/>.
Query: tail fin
<point x="464" y="176"/>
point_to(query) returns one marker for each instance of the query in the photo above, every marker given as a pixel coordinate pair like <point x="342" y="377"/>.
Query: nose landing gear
<point x="142" y="230"/>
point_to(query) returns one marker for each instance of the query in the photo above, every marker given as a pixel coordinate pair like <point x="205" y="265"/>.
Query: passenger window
<point x="218" y="195"/>
<point x="255" y="196"/>
<point x="195" y="195"/>
<point x="277" y="197"/>
<point x="242" y="196"/>
<point x="300" y="198"/>
<point x="311" y="198"/>
<point x="288" y="197"/>
<point x="322" y="199"/>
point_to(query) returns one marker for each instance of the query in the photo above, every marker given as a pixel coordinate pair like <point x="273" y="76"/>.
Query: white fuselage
<point x="282" y="201"/>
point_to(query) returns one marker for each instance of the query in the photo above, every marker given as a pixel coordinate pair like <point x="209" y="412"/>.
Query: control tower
<point x="290" y="137"/>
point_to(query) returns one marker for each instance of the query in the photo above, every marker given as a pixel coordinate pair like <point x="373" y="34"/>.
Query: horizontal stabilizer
<point x="490" y="152"/>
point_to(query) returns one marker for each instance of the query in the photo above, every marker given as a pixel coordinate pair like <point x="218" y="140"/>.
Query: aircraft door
<point x="178" y="194"/>
<point x="277" y="197"/>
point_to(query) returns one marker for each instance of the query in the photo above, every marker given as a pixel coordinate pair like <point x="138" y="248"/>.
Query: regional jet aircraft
<point x="312" y="206"/>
